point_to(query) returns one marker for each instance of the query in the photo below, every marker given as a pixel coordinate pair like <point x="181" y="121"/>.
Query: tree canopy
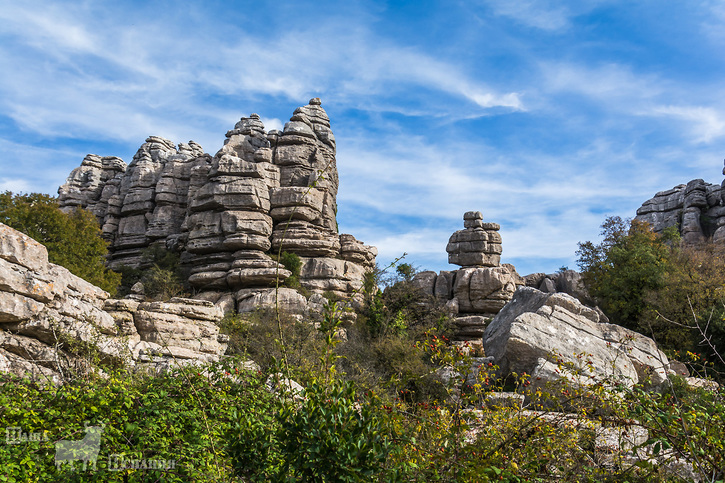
<point x="650" y="283"/>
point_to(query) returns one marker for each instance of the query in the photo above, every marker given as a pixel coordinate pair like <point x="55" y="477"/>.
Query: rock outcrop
<point x="554" y="336"/>
<point x="48" y="317"/>
<point x="262" y="192"/>
<point x="697" y="209"/>
<point x="476" y="292"/>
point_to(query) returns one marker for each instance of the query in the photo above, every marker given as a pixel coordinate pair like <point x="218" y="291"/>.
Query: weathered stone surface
<point x="697" y="209"/>
<point x="485" y="290"/>
<point x="478" y="245"/>
<point x="536" y="329"/>
<point x="470" y="326"/>
<point x="46" y="308"/>
<point x="570" y="281"/>
<point x="260" y="192"/>
<point x="20" y="249"/>
<point x="443" y="289"/>
<point x="356" y="251"/>
<point x="331" y="274"/>
<point x="425" y="282"/>
<point x="288" y="300"/>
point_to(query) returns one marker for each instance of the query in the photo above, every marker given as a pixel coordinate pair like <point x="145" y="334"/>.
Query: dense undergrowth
<point x="221" y="422"/>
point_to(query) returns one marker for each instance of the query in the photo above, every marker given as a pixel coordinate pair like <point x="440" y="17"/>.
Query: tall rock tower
<point x="228" y="215"/>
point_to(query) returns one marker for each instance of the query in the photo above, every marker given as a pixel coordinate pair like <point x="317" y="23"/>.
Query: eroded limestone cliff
<point x="226" y="214"/>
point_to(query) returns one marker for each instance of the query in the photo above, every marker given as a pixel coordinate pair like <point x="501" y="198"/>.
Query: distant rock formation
<point x="226" y="214"/>
<point x="48" y="316"/>
<point x="476" y="292"/>
<point x="697" y="209"/>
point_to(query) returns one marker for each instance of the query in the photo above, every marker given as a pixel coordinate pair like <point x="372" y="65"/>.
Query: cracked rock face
<point x="44" y="309"/>
<point x="536" y="329"/>
<point x="697" y="209"/>
<point x="261" y="193"/>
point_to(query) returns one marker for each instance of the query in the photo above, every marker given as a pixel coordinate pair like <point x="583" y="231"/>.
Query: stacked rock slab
<point x="48" y="315"/>
<point x="229" y="223"/>
<point x="697" y="209"/>
<point x="482" y="286"/>
<point x="262" y="193"/>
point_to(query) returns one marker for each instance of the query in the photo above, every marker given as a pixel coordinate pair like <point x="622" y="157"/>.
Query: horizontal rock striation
<point x="228" y="215"/>
<point x="48" y="316"/>
<point x="697" y="209"/>
<point x="481" y="288"/>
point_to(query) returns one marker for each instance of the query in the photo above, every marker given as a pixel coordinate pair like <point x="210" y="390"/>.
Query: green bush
<point x="647" y="282"/>
<point x="160" y="273"/>
<point x="184" y="416"/>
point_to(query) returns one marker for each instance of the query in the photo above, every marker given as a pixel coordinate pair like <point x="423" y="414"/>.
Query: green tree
<point x="691" y="296"/>
<point x="73" y="240"/>
<point x="649" y="283"/>
<point x="630" y="261"/>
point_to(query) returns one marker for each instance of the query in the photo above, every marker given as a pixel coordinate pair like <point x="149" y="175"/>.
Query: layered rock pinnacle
<point x="262" y="192"/>
<point x="477" y="245"/>
<point x="482" y="286"/>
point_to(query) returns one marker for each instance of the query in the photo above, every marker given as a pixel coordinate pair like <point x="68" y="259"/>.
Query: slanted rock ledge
<point x="47" y="315"/>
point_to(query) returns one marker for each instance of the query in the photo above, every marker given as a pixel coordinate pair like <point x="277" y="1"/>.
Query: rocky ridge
<point x="697" y="209"/>
<point x="262" y="192"/>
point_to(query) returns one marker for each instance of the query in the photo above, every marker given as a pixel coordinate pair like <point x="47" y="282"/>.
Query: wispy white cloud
<point x="549" y="15"/>
<point x="706" y="123"/>
<point x="609" y="83"/>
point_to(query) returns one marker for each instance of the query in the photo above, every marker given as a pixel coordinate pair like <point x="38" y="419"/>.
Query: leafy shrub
<point x="649" y="283"/>
<point x="160" y="273"/>
<point x="184" y="416"/>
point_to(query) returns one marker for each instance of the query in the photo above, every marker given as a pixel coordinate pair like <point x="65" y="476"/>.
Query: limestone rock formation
<point x="477" y="245"/>
<point x="44" y="309"/>
<point x="697" y="209"/>
<point x="536" y="329"/>
<point x="476" y="292"/>
<point x="261" y="193"/>
<point x="163" y="334"/>
<point x="48" y="315"/>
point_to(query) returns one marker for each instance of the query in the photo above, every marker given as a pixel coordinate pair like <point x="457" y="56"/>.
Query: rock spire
<point x="229" y="214"/>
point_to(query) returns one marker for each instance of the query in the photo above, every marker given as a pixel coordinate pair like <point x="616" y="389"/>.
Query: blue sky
<point x="546" y="116"/>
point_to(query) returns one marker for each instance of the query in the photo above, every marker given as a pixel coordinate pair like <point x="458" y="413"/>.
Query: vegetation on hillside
<point x="375" y="407"/>
<point x="649" y="283"/>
